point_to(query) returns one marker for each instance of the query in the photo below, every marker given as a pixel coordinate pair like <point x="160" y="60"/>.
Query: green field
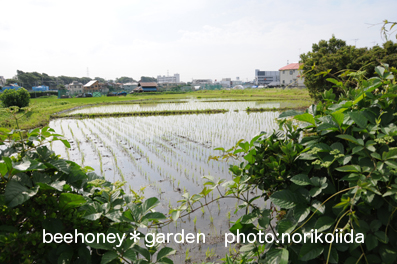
<point x="41" y="109"/>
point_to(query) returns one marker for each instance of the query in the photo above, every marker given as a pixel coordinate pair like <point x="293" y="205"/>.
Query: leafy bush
<point x="39" y="190"/>
<point x="19" y="98"/>
<point x="337" y="60"/>
<point x="337" y="175"/>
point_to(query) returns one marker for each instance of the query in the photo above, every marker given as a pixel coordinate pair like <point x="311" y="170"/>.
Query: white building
<point x="168" y="79"/>
<point x="130" y="86"/>
<point x="266" y="77"/>
<point x="75" y="87"/>
<point x="290" y="75"/>
<point x="2" y="81"/>
<point x="201" y="81"/>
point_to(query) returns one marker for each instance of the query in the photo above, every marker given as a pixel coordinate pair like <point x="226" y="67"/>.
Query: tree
<point x="331" y="59"/>
<point x="11" y="97"/>
<point x="99" y="79"/>
<point x="61" y="87"/>
<point x="10" y="81"/>
<point x="148" y="79"/>
<point x="124" y="80"/>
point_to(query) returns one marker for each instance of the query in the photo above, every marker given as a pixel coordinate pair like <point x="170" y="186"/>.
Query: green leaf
<point x="153" y="216"/>
<point x="71" y="200"/>
<point x="286" y="226"/>
<point x="3" y="169"/>
<point x="346" y="159"/>
<point x="315" y="191"/>
<point x="115" y="216"/>
<point x="371" y="242"/>
<point x="323" y="223"/>
<point x="349" y="138"/>
<point x="338" y="146"/>
<point x="250" y="157"/>
<point x="301" y="212"/>
<point x="65" y="142"/>
<point x="310" y="251"/>
<point x="249" y="218"/>
<point x="164" y="252"/>
<point x="149" y="204"/>
<point x="175" y="215"/>
<point x="338" y="117"/>
<point x="301" y="180"/>
<point x="277" y="256"/>
<point x="359" y="119"/>
<point x="286" y="199"/>
<point x="108" y="257"/>
<point x="289" y="113"/>
<point x="264" y="220"/>
<point x="56" y="185"/>
<point x="16" y="194"/>
<point x="349" y="168"/>
<point x="334" y="81"/>
<point x="306" y="117"/>
<point x="60" y="165"/>
<point x="143" y="251"/>
<point x="391" y="154"/>
<point x="380" y="70"/>
<point x="93" y="217"/>
<point x="392" y="164"/>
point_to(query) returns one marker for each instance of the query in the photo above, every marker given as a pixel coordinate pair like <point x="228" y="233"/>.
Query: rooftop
<point x="148" y="84"/>
<point x="90" y="83"/>
<point x="291" y="66"/>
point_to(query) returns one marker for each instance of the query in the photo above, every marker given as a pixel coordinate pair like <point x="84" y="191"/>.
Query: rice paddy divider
<point x="143" y="113"/>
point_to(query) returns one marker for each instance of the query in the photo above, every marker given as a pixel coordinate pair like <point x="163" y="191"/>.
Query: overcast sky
<point x="210" y="39"/>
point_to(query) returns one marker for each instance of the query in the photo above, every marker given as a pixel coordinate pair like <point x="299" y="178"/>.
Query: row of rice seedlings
<point x="192" y="105"/>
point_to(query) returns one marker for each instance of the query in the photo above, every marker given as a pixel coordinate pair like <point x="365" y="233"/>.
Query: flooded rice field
<point x="184" y="105"/>
<point x="167" y="155"/>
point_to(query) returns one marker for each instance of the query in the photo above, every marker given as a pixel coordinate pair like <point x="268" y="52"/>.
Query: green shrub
<point x="40" y="191"/>
<point x="19" y="98"/>
<point x="338" y="175"/>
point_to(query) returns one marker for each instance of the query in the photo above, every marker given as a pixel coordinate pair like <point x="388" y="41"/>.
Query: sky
<point x="199" y="39"/>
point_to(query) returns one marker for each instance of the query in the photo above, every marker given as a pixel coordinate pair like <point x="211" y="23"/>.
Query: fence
<point x="70" y="94"/>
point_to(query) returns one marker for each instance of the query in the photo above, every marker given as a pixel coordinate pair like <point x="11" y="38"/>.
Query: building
<point x="41" y="88"/>
<point x="75" y="87"/>
<point x="14" y="86"/>
<point x="168" y="79"/>
<point x="146" y="87"/>
<point x="92" y="86"/>
<point x="130" y="86"/>
<point x="2" y="81"/>
<point x="201" y="81"/>
<point x="266" y="77"/>
<point x="290" y="75"/>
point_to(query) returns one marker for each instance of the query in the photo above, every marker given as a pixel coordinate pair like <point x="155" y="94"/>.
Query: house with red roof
<point x="290" y="75"/>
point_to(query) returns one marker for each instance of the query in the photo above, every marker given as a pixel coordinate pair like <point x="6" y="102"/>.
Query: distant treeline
<point x="30" y="79"/>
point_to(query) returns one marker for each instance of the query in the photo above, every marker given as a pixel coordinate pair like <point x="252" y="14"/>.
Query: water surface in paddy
<point x="168" y="155"/>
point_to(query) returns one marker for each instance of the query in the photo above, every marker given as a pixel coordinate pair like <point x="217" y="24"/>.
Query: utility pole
<point x="355" y="42"/>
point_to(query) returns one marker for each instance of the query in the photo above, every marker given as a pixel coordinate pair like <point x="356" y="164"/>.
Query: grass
<point x="43" y="108"/>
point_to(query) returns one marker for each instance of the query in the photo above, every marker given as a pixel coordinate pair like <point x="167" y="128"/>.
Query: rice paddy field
<point x="164" y="155"/>
<point x="183" y="105"/>
<point x="167" y="155"/>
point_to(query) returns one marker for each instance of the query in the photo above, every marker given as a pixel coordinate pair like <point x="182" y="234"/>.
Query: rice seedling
<point x="209" y="253"/>
<point x="187" y="255"/>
